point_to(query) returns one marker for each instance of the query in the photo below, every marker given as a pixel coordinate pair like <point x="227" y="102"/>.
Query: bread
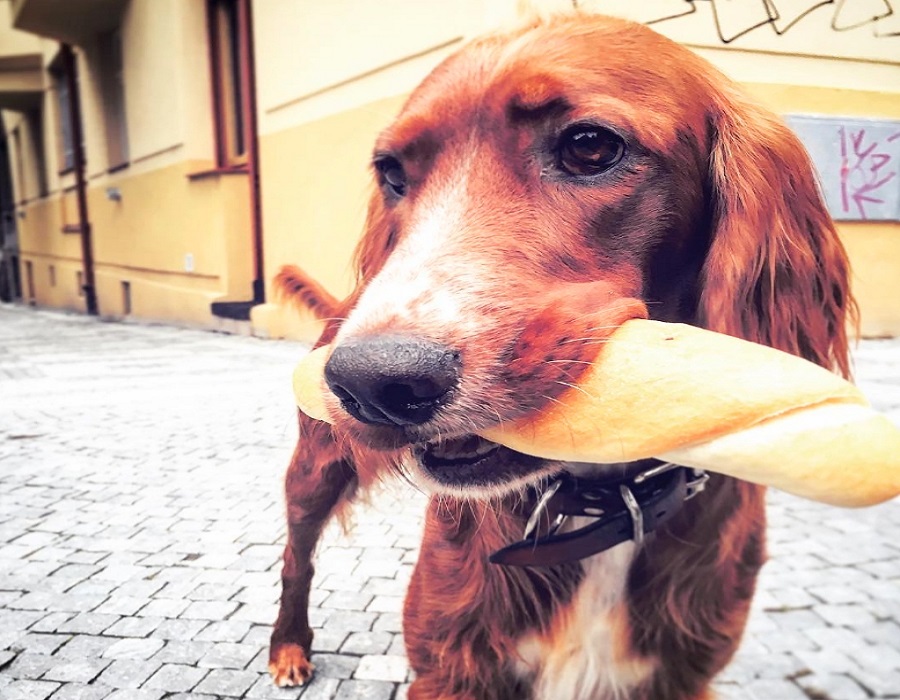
<point x="706" y="400"/>
<point x="309" y="384"/>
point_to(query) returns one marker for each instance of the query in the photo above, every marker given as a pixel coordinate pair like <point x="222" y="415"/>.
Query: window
<point x="64" y="120"/>
<point x="229" y="46"/>
<point x="126" y="298"/>
<point x="29" y="281"/>
<point x="34" y="121"/>
<point x="64" y="104"/>
<point x="112" y="87"/>
<point x="19" y="156"/>
<point x="27" y="145"/>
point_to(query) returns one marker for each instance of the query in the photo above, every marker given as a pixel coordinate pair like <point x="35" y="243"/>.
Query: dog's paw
<point x="288" y="665"/>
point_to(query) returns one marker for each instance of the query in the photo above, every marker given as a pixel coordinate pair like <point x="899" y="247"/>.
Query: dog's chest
<point x="586" y="653"/>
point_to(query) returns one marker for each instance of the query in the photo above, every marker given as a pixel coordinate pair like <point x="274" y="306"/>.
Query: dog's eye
<point x="391" y="175"/>
<point x="589" y="150"/>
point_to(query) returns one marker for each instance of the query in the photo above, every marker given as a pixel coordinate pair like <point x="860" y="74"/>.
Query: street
<point x="141" y="530"/>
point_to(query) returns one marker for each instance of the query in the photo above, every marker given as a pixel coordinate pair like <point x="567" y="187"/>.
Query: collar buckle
<point x="534" y="520"/>
<point x="634" y="510"/>
<point x="697" y="483"/>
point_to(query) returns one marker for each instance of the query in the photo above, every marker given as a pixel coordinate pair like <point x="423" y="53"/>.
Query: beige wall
<point x="146" y="238"/>
<point x="316" y="184"/>
<point x="845" y="30"/>
<point x="167" y="89"/>
<point x="12" y="41"/>
<point x="874" y="246"/>
<point x="294" y="40"/>
<point x="810" y="69"/>
<point x="320" y="109"/>
<point x="319" y="112"/>
<point x="330" y="76"/>
<point x="52" y="258"/>
<point x="180" y="241"/>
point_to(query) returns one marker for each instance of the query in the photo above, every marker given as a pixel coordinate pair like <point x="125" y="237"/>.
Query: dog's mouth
<point x="458" y="455"/>
<point x="470" y="464"/>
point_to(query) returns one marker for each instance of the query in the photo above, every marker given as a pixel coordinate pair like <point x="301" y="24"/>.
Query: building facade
<point x="132" y="194"/>
<point x="168" y="156"/>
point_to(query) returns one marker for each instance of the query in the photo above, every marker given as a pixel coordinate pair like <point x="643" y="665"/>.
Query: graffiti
<point x="736" y="18"/>
<point x="865" y="170"/>
<point x="858" y="162"/>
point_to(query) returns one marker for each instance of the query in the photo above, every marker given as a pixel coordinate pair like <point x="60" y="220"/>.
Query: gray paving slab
<point x="141" y="523"/>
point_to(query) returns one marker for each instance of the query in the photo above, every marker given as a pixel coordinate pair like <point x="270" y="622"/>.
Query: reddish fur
<point x="296" y="287"/>
<point x="721" y="226"/>
<point x="464" y="614"/>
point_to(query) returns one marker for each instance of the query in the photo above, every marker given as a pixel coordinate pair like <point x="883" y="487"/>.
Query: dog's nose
<point x="392" y="379"/>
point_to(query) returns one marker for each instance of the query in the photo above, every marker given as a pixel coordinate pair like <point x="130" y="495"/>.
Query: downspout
<point x="87" y="254"/>
<point x="248" y="78"/>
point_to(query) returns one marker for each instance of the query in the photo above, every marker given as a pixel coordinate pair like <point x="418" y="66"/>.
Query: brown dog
<point x="538" y="188"/>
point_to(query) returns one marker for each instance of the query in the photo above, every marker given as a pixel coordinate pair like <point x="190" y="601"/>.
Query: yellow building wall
<point x="319" y="112"/>
<point x="12" y="41"/>
<point x="329" y="77"/>
<point x="874" y="251"/>
<point x="164" y="223"/>
<point x="50" y="259"/>
<point x="180" y="243"/>
<point x="179" y="240"/>
<point x="873" y="246"/>
<point x="318" y="133"/>
<point x="316" y="184"/>
<point x="314" y="215"/>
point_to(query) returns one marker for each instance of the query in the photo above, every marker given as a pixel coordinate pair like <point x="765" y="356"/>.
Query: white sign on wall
<point x="858" y="162"/>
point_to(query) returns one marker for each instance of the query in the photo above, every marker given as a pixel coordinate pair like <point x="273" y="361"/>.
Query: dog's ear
<point x="776" y="271"/>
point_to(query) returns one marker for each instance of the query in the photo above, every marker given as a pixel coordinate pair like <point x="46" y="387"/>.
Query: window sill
<point x="217" y="172"/>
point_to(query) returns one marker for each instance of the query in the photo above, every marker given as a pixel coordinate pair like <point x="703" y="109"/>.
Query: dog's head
<point x="538" y="189"/>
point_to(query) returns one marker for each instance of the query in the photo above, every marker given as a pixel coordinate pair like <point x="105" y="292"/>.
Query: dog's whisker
<point x="576" y="387"/>
<point x="569" y="362"/>
<point x="589" y="339"/>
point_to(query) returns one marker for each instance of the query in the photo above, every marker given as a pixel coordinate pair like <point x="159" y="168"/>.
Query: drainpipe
<point x="248" y="78"/>
<point x="87" y="254"/>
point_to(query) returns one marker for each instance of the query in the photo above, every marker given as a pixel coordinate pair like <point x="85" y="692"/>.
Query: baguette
<point x="706" y="400"/>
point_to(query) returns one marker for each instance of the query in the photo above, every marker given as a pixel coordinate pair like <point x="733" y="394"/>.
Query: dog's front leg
<point x="463" y="615"/>
<point x="320" y="479"/>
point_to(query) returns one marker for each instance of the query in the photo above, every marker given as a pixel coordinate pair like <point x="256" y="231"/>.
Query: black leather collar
<point x="623" y="509"/>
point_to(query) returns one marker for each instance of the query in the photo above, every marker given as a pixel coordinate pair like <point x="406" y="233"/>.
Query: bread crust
<point x="700" y="399"/>
<point x="309" y="384"/>
<point x="837" y="453"/>
<point x="659" y="386"/>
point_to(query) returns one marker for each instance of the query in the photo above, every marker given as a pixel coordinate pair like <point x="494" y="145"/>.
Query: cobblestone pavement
<point x="141" y="531"/>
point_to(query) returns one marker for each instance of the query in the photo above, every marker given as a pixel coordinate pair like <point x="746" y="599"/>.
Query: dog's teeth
<point x="469" y="448"/>
<point x="483" y="447"/>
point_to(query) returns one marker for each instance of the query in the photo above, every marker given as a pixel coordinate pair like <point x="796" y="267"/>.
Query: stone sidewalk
<point x="141" y="526"/>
